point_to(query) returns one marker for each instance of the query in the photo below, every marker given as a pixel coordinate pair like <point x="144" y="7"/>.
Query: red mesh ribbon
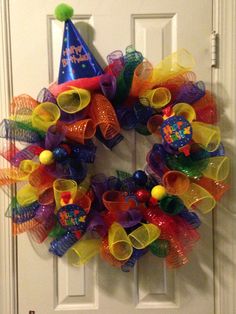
<point x="206" y="109"/>
<point x="103" y="114"/>
<point x="216" y="188"/>
<point x="78" y="131"/>
<point x="8" y="151"/>
<point x="41" y="179"/>
<point x="178" y="232"/>
<point x="90" y="84"/>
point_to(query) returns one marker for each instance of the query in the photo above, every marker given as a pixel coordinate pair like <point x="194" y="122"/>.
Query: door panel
<point x="49" y="285"/>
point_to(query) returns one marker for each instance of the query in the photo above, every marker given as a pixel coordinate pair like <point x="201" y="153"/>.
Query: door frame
<point x="223" y="85"/>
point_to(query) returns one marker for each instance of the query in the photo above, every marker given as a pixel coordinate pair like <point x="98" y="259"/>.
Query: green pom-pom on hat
<point x="63" y="12"/>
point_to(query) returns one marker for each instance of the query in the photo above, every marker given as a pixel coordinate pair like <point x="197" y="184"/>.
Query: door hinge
<point x="214" y="49"/>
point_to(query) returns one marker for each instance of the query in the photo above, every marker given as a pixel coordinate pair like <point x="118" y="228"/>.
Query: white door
<point x="47" y="285"/>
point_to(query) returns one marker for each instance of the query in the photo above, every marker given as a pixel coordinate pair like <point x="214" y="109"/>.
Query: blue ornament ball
<point x="140" y="177"/>
<point x="60" y="154"/>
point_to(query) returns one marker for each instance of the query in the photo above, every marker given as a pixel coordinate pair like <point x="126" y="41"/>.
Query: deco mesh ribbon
<point x="125" y="216"/>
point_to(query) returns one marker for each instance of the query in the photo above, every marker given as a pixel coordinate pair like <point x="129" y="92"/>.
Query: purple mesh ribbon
<point x="24" y="213"/>
<point x="128" y="185"/>
<point x="25" y="153"/>
<point x="77" y="170"/>
<point x="126" y="117"/>
<point x="61" y="245"/>
<point x="111" y="143"/>
<point x="108" y="85"/>
<point x="143" y="113"/>
<point x="130" y="218"/>
<point x="156" y="159"/>
<point x="99" y="186"/>
<point x="98" y="225"/>
<point x="46" y="96"/>
<point x="191" y="217"/>
<point x="114" y="183"/>
<point x="191" y="92"/>
<point x="116" y="61"/>
<point x="53" y="137"/>
<point x="86" y="152"/>
<point x="12" y="130"/>
<point x="44" y="212"/>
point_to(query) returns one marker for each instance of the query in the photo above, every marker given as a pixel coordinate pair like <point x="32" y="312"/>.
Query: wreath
<point x="120" y="217"/>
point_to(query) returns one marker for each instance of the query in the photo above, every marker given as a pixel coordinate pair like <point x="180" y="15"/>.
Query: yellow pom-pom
<point x="158" y="192"/>
<point x="46" y="157"/>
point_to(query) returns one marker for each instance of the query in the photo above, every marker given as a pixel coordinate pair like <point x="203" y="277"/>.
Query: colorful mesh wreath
<point x="120" y="217"/>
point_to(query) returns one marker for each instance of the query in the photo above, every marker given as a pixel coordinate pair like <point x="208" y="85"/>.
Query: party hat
<point x="77" y="61"/>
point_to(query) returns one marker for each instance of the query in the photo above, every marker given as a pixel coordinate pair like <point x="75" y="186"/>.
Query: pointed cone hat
<point x="76" y="61"/>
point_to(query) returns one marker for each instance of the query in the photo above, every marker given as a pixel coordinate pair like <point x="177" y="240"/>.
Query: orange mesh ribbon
<point x="115" y="201"/>
<point x="107" y="256"/>
<point x="25" y="226"/>
<point x="78" y="131"/>
<point x="11" y="175"/>
<point x="103" y="114"/>
<point x="21" y="108"/>
<point x="141" y="79"/>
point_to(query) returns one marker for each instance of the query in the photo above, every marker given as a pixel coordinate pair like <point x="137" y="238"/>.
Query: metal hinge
<point x="214" y="49"/>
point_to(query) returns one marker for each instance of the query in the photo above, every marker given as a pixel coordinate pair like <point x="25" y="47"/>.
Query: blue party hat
<point x="77" y="61"/>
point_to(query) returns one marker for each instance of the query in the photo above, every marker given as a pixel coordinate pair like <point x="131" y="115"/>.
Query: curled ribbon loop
<point x="119" y="243"/>
<point x="175" y="64"/>
<point x="144" y="235"/>
<point x="78" y="131"/>
<point x="103" y="115"/>
<point x="45" y="115"/>
<point x="199" y="198"/>
<point x="46" y="96"/>
<point x="74" y="100"/>
<point x="206" y="135"/>
<point x="82" y="251"/>
<point x="115" y="201"/>
<point x="107" y="256"/>
<point x="142" y="78"/>
<point x="175" y="182"/>
<point x="156" y="98"/>
<point x="216" y="188"/>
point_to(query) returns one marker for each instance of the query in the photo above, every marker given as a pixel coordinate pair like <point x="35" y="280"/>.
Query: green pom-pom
<point x="63" y="12"/>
